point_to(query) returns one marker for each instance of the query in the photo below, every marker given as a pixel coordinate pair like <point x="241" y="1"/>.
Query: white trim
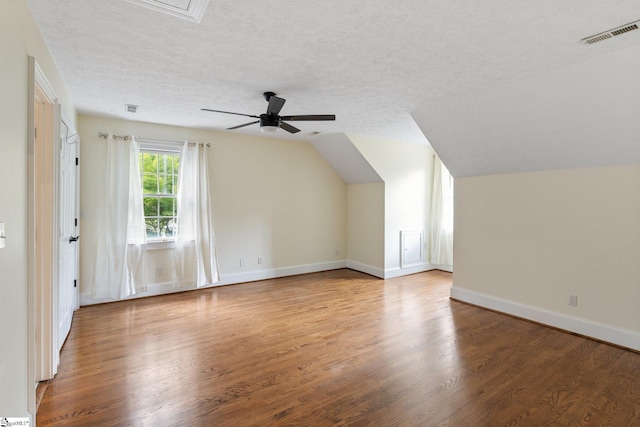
<point x="390" y="273"/>
<point x="365" y="268"/>
<point x="42" y="253"/>
<point x="161" y="147"/>
<point x="42" y="81"/>
<point x="443" y="267"/>
<point x="194" y="11"/>
<point x="229" y="279"/>
<point x="600" y="331"/>
<point x="250" y="276"/>
<point x="159" y="245"/>
<point x="155" y="289"/>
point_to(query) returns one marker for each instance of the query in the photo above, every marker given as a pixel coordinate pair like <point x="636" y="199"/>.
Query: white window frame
<point x="159" y="148"/>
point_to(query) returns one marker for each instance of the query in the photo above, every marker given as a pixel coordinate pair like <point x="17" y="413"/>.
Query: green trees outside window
<point x="159" y="187"/>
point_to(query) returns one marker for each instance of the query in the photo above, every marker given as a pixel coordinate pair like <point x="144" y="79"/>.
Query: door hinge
<point x="76" y="161"/>
<point x="75" y="283"/>
<point x="75" y="222"/>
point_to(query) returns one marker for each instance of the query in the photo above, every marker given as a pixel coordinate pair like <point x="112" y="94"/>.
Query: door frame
<point x="42" y="220"/>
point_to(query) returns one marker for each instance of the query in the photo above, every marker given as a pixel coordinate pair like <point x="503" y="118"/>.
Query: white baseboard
<point x="391" y="273"/>
<point x="600" y="331"/>
<point x="443" y="267"/>
<point x="365" y="268"/>
<point x="252" y="276"/>
<point x="228" y="279"/>
<point x="152" y="290"/>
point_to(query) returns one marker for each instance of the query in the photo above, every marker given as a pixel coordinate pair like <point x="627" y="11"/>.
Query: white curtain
<point x="195" y="251"/>
<point x="119" y="267"/>
<point x="441" y="215"/>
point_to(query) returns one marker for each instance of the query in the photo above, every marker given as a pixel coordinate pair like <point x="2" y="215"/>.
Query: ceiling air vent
<point x="625" y="29"/>
<point x="611" y="33"/>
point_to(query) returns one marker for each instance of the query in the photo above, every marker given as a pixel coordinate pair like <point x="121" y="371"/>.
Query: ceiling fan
<point x="271" y="120"/>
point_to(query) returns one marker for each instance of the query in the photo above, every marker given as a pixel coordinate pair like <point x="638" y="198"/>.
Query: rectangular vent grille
<point x="611" y="33"/>
<point x="596" y="39"/>
<point x="625" y="29"/>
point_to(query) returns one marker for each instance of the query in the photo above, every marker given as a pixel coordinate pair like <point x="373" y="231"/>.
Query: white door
<point x="68" y="242"/>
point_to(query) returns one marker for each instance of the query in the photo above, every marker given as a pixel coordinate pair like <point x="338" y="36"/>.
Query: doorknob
<point x="73" y="239"/>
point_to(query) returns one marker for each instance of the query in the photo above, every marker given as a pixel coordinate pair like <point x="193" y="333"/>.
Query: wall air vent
<point x="611" y="33"/>
<point x="130" y="108"/>
<point x="192" y="10"/>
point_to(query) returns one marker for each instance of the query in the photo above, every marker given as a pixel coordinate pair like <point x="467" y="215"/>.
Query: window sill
<point x="160" y="244"/>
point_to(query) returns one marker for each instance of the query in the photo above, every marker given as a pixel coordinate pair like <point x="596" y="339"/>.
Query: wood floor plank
<point x="333" y="348"/>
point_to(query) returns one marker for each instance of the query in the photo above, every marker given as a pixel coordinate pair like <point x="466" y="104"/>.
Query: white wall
<point x="407" y="171"/>
<point x="525" y="242"/>
<point x="19" y="38"/>
<point x="365" y="228"/>
<point x="275" y="199"/>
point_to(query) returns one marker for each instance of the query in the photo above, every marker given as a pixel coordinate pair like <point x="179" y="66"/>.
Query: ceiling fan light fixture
<point x="269" y="123"/>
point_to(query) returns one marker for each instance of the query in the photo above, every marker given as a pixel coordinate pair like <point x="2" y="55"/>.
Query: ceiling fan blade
<point x="289" y="128"/>
<point x="229" y="112"/>
<point x="275" y="104"/>
<point x="246" y="124"/>
<point x="311" y="117"/>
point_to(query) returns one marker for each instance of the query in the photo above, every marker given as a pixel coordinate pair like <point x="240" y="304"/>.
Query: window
<point x="159" y="170"/>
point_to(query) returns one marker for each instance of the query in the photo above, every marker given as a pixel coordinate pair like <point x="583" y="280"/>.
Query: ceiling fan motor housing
<point x="269" y="120"/>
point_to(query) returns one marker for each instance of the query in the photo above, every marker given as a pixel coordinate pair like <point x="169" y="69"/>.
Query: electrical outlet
<point x="2" y="236"/>
<point x="241" y="262"/>
<point x="259" y="260"/>
<point x="573" y="300"/>
<point x="159" y="271"/>
<point x="337" y="251"/>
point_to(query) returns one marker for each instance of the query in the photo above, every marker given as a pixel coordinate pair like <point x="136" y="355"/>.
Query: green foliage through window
<point x="159" y="172"/>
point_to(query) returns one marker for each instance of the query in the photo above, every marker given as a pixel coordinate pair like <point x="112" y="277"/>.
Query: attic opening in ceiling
<point x="191" y="10"/>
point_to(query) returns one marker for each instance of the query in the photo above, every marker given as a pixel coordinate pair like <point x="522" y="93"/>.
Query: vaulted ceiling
<point x="495" y="87"/>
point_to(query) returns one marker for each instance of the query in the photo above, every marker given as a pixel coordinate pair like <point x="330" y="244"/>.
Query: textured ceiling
<point x="586" y="114"/>
<point x="372" y="63"/>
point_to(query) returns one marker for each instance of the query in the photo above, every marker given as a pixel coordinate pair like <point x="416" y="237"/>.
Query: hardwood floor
<point x="333" y="348"/>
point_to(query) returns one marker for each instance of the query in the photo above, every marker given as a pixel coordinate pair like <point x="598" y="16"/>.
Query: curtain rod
<point x="106" y="135"/>
<point x="161" y="141"/>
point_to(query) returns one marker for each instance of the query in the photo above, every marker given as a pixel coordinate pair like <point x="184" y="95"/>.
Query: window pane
<point x="176" y="164"/>
<point x="170" y="189"/>
<point x="166" y="206"/>
<point x="162" y="184"/>
<point x="150" y="184"/>
<point x="162" y="163"/>
<point x="166" y="226"/>
<point x="152" y="227"/>
<point x="149" y="162"/>
<point x="172" y="226"/>
<point x="150" y="206"/>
